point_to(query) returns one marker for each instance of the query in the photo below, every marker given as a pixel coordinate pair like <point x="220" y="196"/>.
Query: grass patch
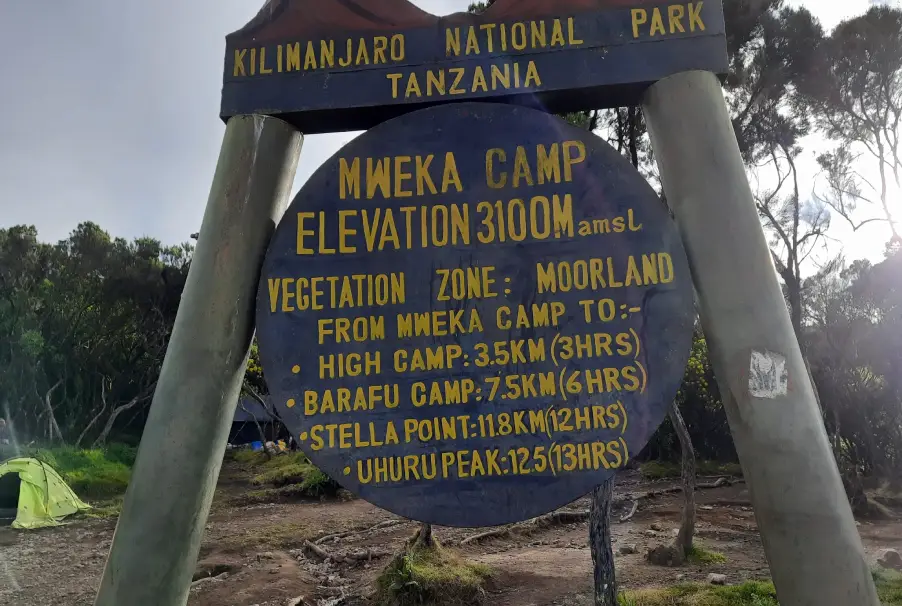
<point x="661" y="470"/>
<point x="431" y="575"/>
<point x="752" y="593"/>
<point x="889" y="586"/>
<point x="700" y="555"/>
<point x="247" y="457"/>
<point x="283" y="476"/>
<point x="290" y="473"/>
<point x="109" y="508"/>
<point x="93" y="473"/>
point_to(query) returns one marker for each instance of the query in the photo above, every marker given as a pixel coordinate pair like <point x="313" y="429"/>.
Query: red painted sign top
<point x="283" y="18"/>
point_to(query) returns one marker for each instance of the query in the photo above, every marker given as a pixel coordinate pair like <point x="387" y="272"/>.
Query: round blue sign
<point x="474" y="313"/>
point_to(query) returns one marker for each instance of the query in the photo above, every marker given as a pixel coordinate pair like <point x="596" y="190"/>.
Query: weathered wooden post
<point x="809" y="535"/>
<point x="158" y="536"/>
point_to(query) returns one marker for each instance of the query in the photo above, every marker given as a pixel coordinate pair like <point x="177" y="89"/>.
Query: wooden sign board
<point x="474" y="313"/>
<point x="337" y="65"/>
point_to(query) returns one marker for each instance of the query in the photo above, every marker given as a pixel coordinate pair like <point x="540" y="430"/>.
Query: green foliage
<point x="706" y="557"/>
<point x="433" y="576"/>
<point x="699" y="401"/>
<point x="92" y="473"/>
<point x="84" y="324"/>
<point x="889" y="586"/>
<point x="290" y="473"/>
<point x="247" y="457"/>
<point x="284" y="475"/>
<point x="752" y="593"/>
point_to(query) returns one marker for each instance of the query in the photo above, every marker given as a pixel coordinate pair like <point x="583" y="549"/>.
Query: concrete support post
<point x="155" y="547"/>
<point x="809" y="535"/>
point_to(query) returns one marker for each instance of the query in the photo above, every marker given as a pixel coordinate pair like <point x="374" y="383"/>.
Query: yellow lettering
<point x="548" y="164"/>
<point x="657" y="22"/>
<point x="413" y="86"/>
<point x="489" y="29"/>
<point x="521" y="168"/>
<point x="310" y="57"/>
<point x="327" y="53"/>
<point x="293" y="57"/>
<point x="451" y="176"/>
<point x="435" y="79"/>
<point x="349" y="178"/>
<point x="675" y="15"/>
<point x="273" y="284"/>
<point x="695" y="16"/>
<point x="239" y="63"/>
<point x="424" y="179"/>
<point x="377" y="175"/>
<point x="452" y="42"/>
<point x="459" y="73"/>
<point x="571" y="33"/>
<point x="479" y="80"/>
<point x="397" y="47"/>
<point x="501" y="79"/>
<point x="640" y="17"/>
<point x="557" y="34"/>
<point x="401" y="177"/>
<point x="287" y="296"/>
<point x="349" y="54"/>
<point x="489" y="168"/>
<point x="302" y="233"/>
<point x="380" y="45"/>
<point x="518" y="36"/>
<point x="394" y="84"/>
<point x="363" y="56"/>
<point x="472" y="41"/>
<point x="532" y="73"/>
<point x="344" y="231"/>
<point x="539" y="40"/>
<point x="570" y="160"/>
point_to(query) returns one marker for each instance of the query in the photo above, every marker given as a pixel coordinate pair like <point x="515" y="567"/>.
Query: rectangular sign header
<point x="338" y="65"/>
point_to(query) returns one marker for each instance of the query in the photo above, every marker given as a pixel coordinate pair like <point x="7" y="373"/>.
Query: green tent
<point x="35" y="494"/>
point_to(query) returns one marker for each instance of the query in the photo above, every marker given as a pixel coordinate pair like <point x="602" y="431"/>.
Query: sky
<point x="109" y="113"/>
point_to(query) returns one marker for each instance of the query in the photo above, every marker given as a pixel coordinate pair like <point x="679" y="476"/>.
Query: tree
<point x="83" y="327"/>
<point x="683" y="543"/>
<point x="853" y="343"/>
<point x="603" y="574"/>
<point x="778" y="54"/>
<point x="854" y="92"/>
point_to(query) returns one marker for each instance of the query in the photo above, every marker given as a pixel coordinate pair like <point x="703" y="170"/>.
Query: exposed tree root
<point x="364" y="555"/>
<point x="565" y="516"/>
<point x="562" y="516"/>
<point x="348" y="533"/>
<point x="504" y="531"/>
<point x="633" y="509"/>
<point x="729" y="503"/>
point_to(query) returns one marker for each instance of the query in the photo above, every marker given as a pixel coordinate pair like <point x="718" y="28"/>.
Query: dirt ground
<point x="254" y="555"/>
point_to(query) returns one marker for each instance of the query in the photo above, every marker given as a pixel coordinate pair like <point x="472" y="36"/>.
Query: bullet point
<point x="295" y="369"/>
<point x="347" y="471"/>
<point x="290" y="403"/>
<point x="507" y="291"/>
<point x="304" y="436"/>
